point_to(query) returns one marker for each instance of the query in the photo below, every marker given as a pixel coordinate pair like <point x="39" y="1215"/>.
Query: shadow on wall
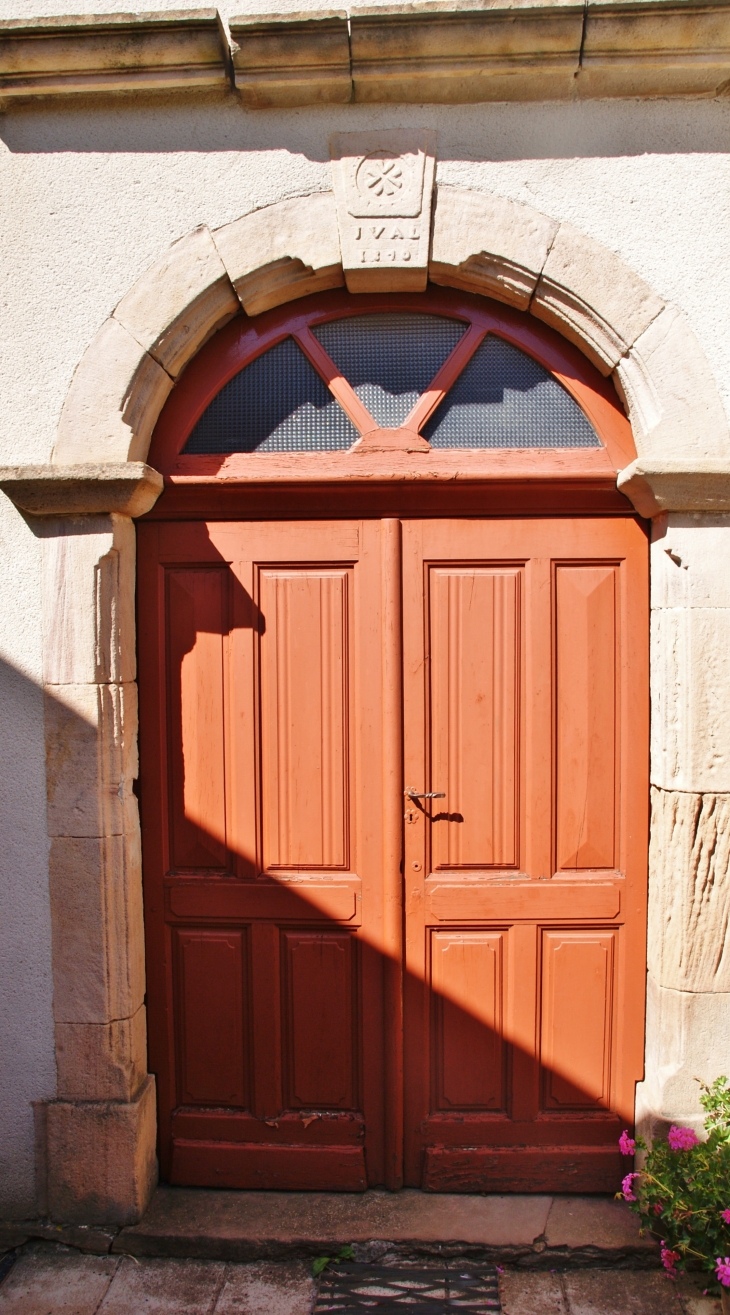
<point x="162" y="125"/>
<point x="27" y="1064"/>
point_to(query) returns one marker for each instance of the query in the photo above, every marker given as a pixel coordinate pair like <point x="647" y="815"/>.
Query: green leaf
<point x="346" y="1253"/>
<point x="320" y="1264"/>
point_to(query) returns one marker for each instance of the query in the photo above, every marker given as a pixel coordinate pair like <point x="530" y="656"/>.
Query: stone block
<point x="129" y="488"/>
<point x="170" y="1287"/>
<point x="112" y="52"/>
<point x="614" y="1293"/>
<point x="281" y="61"/>
<point x="383" y="184"/>
<point x="285" y="1287"/>
<point x="113" y="403"/>
<point x="97" y="928"/>
<point x="605" y="1227"/>
<point x="282" y="252"/>
<point x="89" y="630"/>
<point x="91" y="759"/>
<point x="102" y="1167"/>
<point x="670" y="393"/>
<point x="540" y="1294"/>
<point x="690" y="561"/>
<point x="591" y="296"/>
<point x="689" y="891"/>
<point x="102" y="1061"/>
<point x="690" y="723"/>
<point x="687" y="1041"/>
<point x="441" y="53"/>
<point x="180" y="302"/>
<point x="487" y="244"/>
<point x="654" y="49"/>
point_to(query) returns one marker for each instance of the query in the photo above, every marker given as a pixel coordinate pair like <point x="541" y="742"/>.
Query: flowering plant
<point x="682" y="1191"/>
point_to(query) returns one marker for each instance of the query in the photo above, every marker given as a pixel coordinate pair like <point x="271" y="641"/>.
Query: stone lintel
<point x="648" y="49"/>
<point x="82" y="54"/>
<point x="667" y="484"/>
<point x="297" y="59"/>
<point x="129" y="488"/>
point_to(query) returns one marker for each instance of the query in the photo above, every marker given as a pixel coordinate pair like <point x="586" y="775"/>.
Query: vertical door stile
<point x="392" y="931"/>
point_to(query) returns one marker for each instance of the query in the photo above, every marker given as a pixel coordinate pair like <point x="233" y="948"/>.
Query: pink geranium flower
<point x="626" y="1144"/>
<point x="682" y="1139"/>
<point x="722" y="1272"/>
<point x="627" y="1186"/>
<point x="726" y="1216"/>
<point x="669" y="1260"/>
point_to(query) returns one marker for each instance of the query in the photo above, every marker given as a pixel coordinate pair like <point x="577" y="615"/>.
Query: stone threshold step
<point x="540" y="1232"/>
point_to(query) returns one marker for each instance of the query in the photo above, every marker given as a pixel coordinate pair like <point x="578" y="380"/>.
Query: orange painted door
<point x="350" y="983"/>
<point x="525" y="714"/>
<point x="262" y="807"/>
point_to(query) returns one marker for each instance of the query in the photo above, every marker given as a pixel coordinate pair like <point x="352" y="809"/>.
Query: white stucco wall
<point x="90" y="197"/>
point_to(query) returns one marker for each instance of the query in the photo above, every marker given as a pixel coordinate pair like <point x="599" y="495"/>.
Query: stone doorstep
<point x="532" y="1232"/>
<point x="538" y="1232"/>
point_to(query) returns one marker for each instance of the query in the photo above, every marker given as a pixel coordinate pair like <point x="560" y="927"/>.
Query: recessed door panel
<point x="196" y="608"/>
<point x="212" y="979"/>
<point x="467" y="983"/>
<point x="576" y="1016"/>
<point x="305" y="695"/>
<point x="586" y="633"/>
<point x="475" y="627"/>
<point x="319" y="1028"/>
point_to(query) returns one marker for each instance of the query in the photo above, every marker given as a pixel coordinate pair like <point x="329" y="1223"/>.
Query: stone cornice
<point x="430" y="51"/>
<point x="101" y="53"/>
<point x="129" y="488"/>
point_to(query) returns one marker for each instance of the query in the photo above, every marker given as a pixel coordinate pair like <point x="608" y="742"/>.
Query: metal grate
<point x="504" y="398"/>
<point x="346" y="1288"/>
<point x="278" y="403"/>
<point x="390" y="359"/>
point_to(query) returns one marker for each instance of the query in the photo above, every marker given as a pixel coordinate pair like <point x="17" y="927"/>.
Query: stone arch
<point x="480" y="243"/>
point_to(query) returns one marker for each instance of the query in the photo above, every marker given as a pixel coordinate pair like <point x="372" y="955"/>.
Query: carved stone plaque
<point x="383" y="187"/>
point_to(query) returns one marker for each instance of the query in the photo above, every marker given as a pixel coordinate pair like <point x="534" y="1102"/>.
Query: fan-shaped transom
<point x="459" y="383"/>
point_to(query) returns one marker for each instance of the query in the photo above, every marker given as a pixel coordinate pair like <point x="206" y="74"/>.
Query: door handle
<point x="433" y="794"/>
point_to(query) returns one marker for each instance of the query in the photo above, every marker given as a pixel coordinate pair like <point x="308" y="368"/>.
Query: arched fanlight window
<point x="455" y="380"/>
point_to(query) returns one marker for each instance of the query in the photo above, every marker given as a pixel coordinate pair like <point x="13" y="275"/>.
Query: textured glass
<point x="278" y="403"/>
<point x="503" y="398"/>
<point x="390" y="359"/>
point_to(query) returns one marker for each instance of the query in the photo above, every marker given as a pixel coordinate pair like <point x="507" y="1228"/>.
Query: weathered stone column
<point x="688" y="990"/>
<point x="101" y="1129"/>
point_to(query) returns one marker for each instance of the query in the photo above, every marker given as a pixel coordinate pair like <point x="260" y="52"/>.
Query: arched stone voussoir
<point x="593" y="298"/>
<point x="487" y="244"/>
<point x="282" y="252"/>
<point x="113" y="403"/>
<point x="179" y="302"/>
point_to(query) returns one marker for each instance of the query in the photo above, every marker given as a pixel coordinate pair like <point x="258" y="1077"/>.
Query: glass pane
<point x="390" y="359"/>
<point x="503" y="398"/>
<point x="278" y="403"/>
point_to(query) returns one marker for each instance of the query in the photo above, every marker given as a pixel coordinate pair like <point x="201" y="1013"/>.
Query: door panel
<point x="525" y="680"/>
<point x="585" y="660"/>
<point x="475" y="715"/>
<point x="261" y="703"/>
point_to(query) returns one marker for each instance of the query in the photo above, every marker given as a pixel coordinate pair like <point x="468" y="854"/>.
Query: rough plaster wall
<point x="91" y="196"/>
<point x="27" y="1064"/>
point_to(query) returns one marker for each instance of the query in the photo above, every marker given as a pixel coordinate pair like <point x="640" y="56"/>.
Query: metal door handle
<point x="434" y="794"/>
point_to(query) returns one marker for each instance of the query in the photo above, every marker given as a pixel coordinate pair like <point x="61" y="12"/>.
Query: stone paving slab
<point x="261" y="1225"/>
<point x="54" y="1280"/>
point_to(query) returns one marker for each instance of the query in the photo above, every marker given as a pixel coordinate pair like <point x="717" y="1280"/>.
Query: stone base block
<point x="687" y="1042"/>
<point x="102" y="1167"/>
<point x="106" y="1060"/>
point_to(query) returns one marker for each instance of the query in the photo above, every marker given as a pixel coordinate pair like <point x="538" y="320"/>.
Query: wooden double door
<point x="394" y="804"/>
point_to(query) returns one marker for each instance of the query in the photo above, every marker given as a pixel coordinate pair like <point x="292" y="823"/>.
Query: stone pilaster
<point x="101" y="1129"/>
<point x="688" y="995"/>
